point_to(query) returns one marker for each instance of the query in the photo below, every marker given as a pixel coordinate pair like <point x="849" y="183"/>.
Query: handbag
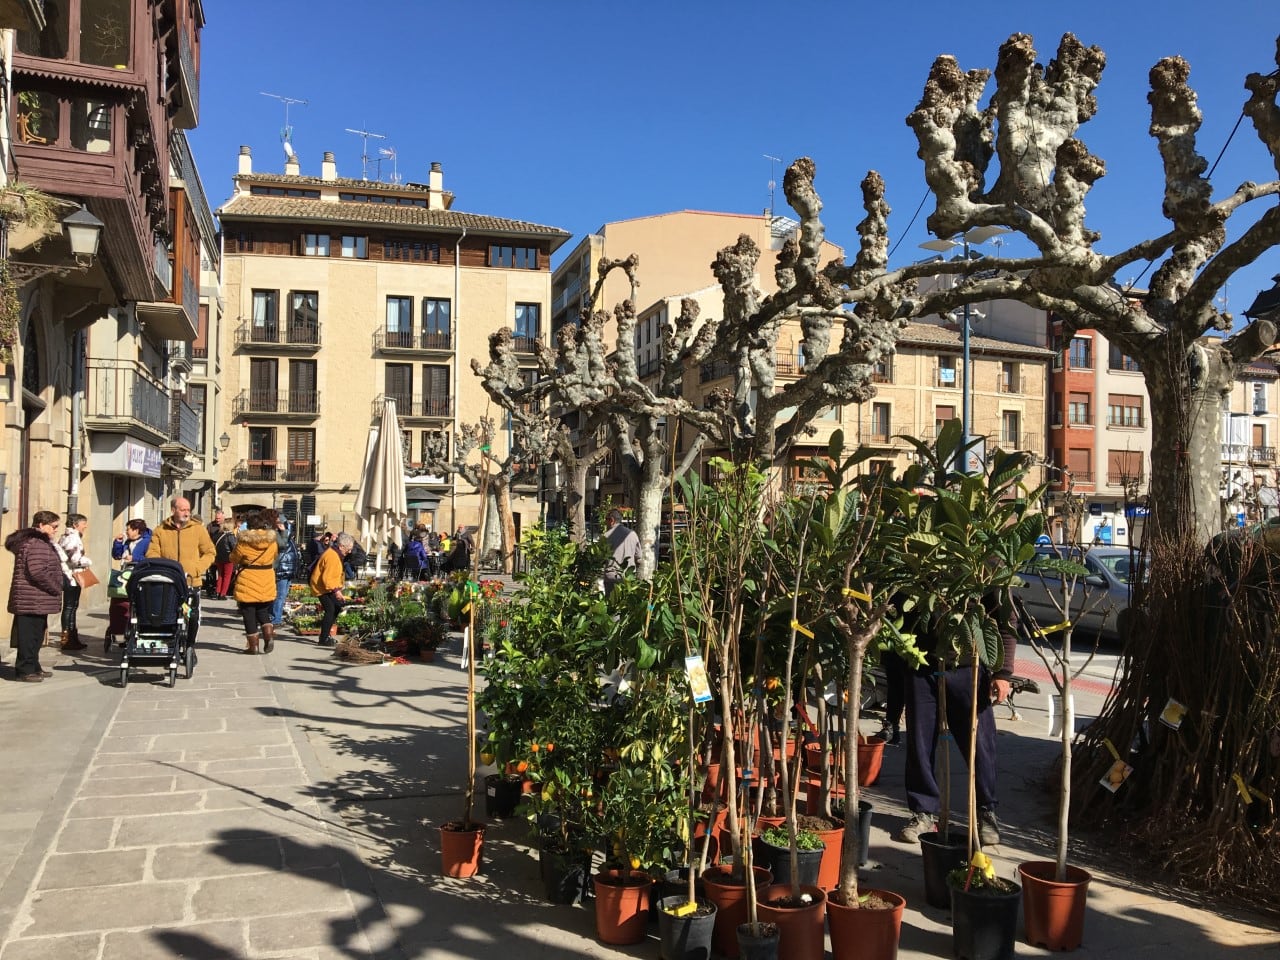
<point x="86" y="578"/>
<point x="118" y="584"/>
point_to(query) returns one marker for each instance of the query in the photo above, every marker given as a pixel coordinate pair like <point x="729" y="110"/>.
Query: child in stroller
<point x="160" y="614"/>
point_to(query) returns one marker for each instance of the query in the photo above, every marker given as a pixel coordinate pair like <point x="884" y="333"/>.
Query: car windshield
<point x="1119" y="564"/>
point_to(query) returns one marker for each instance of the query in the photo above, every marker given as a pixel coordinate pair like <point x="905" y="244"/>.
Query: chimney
<point x="435" y="187"/>
<point x="291" y="168"/>
<point x="246" y="161"/>
<point x="328" y="167"/>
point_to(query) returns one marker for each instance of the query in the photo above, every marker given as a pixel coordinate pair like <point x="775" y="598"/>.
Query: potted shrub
<point x="1054" y="892"/>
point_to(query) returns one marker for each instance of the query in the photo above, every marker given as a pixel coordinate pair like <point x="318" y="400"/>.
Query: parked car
<point x="1108" y="582"/>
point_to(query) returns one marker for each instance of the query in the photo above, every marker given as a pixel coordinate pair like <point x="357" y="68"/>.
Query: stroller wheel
<point x="124" y="676"/>
<point x="173" y="676"/>
<point x="190" y="660"/>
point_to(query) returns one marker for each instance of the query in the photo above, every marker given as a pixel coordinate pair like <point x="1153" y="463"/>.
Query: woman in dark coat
<point x="36" y="591"/>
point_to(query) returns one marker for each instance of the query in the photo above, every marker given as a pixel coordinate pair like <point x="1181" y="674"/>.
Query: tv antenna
<point x="286" y="132"/>
<point x="388" y="153"/>
<point x="773" y="179"/>
<point x="364" y="136"/>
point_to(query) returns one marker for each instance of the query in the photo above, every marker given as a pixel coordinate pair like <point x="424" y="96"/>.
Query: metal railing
<point x="303" y="402"/>
<point x="435" y="405"/>
<point x="1072" y="419"/>
<point x="1262" y="454"/>
<point x="715" y="371"/>
<point x="1136" y="422"/>
<point x="124" y="390"/>
<point x="407" y="340"/>
<point x="273" y="471"/>
<point x="566" y="295"/>
<point x="292" y="334"/>
<point x="1009" y="385"/>
<point x="184" y="426"/>
<point x="941" y="375"/>
<point x="523" y="343"/>
<point x="1119" y="478"/>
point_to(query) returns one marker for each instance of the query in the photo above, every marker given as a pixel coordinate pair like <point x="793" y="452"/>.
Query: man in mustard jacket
<point x="177" y="538"/>
<point x="327" y="579"/>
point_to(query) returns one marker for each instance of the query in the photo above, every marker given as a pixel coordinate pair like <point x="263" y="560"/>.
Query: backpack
<point x="289" y="562"/>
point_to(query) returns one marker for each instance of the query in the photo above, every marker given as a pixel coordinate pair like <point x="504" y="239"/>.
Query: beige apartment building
<point x="1250" y="425"/>
<point x="342" y="294"/>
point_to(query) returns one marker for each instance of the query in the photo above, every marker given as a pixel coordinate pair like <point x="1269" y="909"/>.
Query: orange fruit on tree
<point x="534" y="747"/>
<point x="522" y="766"/>
<point x="550" y="747"/>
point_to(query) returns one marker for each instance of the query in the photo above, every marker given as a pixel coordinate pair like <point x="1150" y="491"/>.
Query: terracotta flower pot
<point x="801" y="929"/>
<point x="829" y="868"/>
<point x="731" y="905"/>
<point x="622" y="906"/>
<point x="461" y="848"/>
<point x="870" y="757"/>
<point x="862" y="933"/>
<point x="1053" y="911"/>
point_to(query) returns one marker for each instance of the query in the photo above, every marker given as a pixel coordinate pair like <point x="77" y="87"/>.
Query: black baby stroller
<point x="161" y="606"/>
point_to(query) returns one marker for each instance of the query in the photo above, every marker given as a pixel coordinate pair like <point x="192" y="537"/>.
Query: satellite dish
<point x="288" y="149"/>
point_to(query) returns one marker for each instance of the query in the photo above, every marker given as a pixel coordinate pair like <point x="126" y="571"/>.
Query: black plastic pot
<point x="753" y="947"/>
<point x="501" y="795"/>
<point x="685" y="938"/>
<point x="864" y="829"/>
<point x="984" y="923"/>
<point x="564" y="874"/>
<point x="778" y="860"/>
<point x="675" y="883"/>
<point x="938" y="857"/>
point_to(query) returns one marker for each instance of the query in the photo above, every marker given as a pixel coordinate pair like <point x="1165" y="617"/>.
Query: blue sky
<point x="574" y="114"/>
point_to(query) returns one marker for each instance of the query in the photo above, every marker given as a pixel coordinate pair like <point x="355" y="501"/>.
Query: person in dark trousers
<point x="923" y="684"/>
<point x="895" y="678"/>
<point x="186" y="542"/>
<point x="35" y="591"/>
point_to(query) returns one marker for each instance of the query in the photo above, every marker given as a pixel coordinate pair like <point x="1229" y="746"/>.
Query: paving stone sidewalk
<point x="287" y="807"/>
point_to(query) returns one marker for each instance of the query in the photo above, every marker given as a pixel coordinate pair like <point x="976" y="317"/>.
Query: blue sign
<point x="1044" y="540"/>
<point x="1095" y="509"/>
<point x="1133" y="512"/>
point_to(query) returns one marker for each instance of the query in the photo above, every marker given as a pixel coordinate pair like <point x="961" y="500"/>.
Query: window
<point x="1124" y="467"/>
<point x="1011" y="429"/>
<point x="301" y="465"/>
<point x="528" y="325"/>
<point x="266" y="316"/>
<point x="262" y="453"/>
<point x="1078" y="408"/>
<point x="1009" y="380"/>
<point x="882" y="371"/>
<point x="521" y="258"/>
<point x="435" y="390"/>
<point x="1124" y="410"/>
<point x="302" y="387"/>
<point x="355" y="248"/>
<point x="420" y="250"/>
<point x="1080" y="464"/>
<point x="315" y="244"/>
<point x="263" y="383"/>
<point x="261" y="190"/>
<point x="1081" y="353"/>
<point x="398" y="380"/>
<point x="435" y="323"/>
<point x="940" y="416"/>
<point x="399" y="321"/>
<point x="880" y="428"/>
<point x="1259" y="398"/>
<point x="91" y="126"/>
<point x="1118" y="360"/>
<point x="96" y="32"/>
<point x="244" y="242"/>
<point x="947" y="372"/>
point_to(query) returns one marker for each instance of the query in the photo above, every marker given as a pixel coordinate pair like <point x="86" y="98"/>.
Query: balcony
<point x="187" y="111"/>
<point x="882" y="435"/>
<point x="1262" y="454"/>
<point x="123" y="397"/>
<point x="399" y="341"/>
<point x="524" y="343"/>
<point x="277" y="473"/>
<point x="298" y="403"/>
<point x="948" y="377"/>
<point x="1118" y="478"/>
<point x="1009" y="385"/>
<point x="1134" y="422"/>
<point x="294" y="337"/>
<point x="1073" y="419"/>
<point x="433" y="407"/>
<point x="715" y="371"/>
<point x="184" y="426"/>
<point x="882" y="374"/>
<point x="567" y="296"/>
<point x="649" y="367"/>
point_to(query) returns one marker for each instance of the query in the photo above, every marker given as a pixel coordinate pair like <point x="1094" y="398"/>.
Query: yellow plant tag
<point x="799" y="627"/>
<point x="856" y="594"/>
<point x="1115" y="754"/>
<point x="1045" y="631"/>
<point x="684" y="909"/>
<point x="1243" y="788"/>
<point x="466" y="609"/>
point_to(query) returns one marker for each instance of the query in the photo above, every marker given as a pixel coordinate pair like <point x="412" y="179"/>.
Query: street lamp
<point x="224" y="441"/>
<point x="83" y="231"/>
<point x="975" y="235"/>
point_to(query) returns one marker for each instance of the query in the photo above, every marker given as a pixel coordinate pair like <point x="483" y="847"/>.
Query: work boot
<point x="890" y="734"/>
<point x="919" y="823"/>
<point x="49" y="641"/>
<point x="988" y="827"/>
<point x="252" y="640"/>
<point x="71" y="640"/>
<point x="269" y="635"/>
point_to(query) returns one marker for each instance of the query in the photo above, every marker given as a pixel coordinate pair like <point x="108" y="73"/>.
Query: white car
<point x="1105" y="590"/>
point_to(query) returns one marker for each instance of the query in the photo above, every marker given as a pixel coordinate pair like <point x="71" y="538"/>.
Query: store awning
<point x="420" y="498"/>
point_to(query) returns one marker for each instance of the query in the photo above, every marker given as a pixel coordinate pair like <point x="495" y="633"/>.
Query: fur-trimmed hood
<point x="255" y="538"/>
<point x="13" y="543"/>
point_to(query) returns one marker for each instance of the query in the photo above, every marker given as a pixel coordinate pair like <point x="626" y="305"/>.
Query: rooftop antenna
<point x="388" y="153"/>
<point x="773" y="179"/>
<point x="364" y="136"/>
<point x="286" y="132"/>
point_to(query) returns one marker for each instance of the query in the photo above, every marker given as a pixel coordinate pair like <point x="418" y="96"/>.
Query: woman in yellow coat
<point x="326" y="583"/>
<point x="254" y="558"/>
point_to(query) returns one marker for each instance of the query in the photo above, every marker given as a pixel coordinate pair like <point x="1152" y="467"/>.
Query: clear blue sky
<point x="574" y="113"/>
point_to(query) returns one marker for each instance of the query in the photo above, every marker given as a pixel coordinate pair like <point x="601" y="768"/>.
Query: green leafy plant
<point x="780" y="837"/>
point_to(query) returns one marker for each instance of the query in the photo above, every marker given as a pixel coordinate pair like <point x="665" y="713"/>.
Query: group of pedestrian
<point x="427" y="554"/>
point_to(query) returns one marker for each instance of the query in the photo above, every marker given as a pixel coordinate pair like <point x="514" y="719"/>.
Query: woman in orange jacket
<point x="254" y="557"/>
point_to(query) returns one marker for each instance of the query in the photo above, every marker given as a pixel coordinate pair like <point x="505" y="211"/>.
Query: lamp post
<point x="975" y="235"/>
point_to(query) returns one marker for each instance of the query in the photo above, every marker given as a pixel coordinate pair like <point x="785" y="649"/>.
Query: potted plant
<point x="1054" y="892"/>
